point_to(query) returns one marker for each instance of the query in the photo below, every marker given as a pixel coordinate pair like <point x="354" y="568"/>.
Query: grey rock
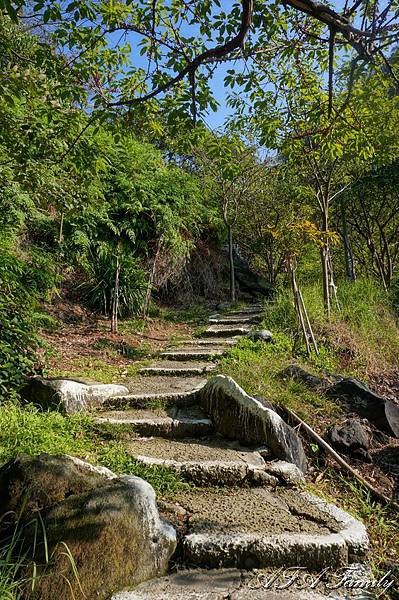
<point x="351" y="438"/>
<point x="383" y="413"/>
<point x="239" y="416"/>
<point x="298" y="374"/>
<point x="240" y="472"/>
<point x="68" y="395"/>
<point x="225" y="583"/>
<point x="111" y="527"/>
<point x="261" y="335"/>
<point x="286" y="472"/>
<point x="38" y="482"/>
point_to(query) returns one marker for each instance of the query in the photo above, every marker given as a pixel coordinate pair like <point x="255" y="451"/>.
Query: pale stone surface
<point x="68" y="395"/>
<point x="205" y="462"/>
<point x="298" y="529"/>
<point x="239" y="416"/>
<point x="177" y="367"/>
<point x="170" y="422"/>
<point x="194" y="353"/>
<point x="226" y="330"/>
<point x="287" y="472"/>
<point x="219" y="584"/>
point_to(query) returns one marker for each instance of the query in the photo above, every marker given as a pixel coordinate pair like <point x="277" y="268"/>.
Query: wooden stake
<point x="316" y="349"/>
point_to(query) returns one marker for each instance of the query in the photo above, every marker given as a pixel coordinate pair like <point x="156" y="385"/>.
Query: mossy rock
<point x="35" y="483"/>
<point x="114" y="535"/>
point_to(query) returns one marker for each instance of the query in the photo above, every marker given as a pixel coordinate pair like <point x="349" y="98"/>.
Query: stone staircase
<point x="246" y="508"/>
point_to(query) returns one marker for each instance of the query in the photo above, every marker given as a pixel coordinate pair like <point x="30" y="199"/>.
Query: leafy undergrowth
<point x="31" y="431"/>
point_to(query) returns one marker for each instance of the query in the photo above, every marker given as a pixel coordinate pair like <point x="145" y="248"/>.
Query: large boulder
<point x="241" y="417"/>
<point x="101" y="536"/>
<point x="380" y="411"/>
<point x="351" y="437"/>
<point x="38" y="482"/>
<point x="70" y="395"/>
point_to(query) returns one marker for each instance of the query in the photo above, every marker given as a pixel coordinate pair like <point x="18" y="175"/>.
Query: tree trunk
<point x="61" y="230"/>
<point x="147" y="299"/>
<point x="231" y="260"/>
<point x="325" y="264"/>
<point x="350" y="272"/>
<point x="115" y="299"/>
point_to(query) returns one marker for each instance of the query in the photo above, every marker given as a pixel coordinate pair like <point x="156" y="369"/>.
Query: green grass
<point x="362" y="336"/>
<point x="257" y="367"/>
<point x="31" y="431"/>
<point x="195" y="314"/>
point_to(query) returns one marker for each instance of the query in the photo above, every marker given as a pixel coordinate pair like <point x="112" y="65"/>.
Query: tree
<point x="373" y="214"/>
<point x="182" y="43"/>
<point x="231" y="169"/>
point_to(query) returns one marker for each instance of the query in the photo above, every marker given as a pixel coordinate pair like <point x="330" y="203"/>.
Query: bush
<point x="97" y="290"/>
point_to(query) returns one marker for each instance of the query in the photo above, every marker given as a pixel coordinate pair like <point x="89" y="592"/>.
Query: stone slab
<point x="170" y="422"/>
<point x="221" y="584"/>
<point x="204" y="462"/>
<point x="193" y="353"/>
<point x="165" y="390"/>
<point x="256" y="528"/>
<point x="226" y="330"/>
<point x="177" y="367"/>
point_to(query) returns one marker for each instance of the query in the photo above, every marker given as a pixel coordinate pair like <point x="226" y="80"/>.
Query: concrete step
<point x="158" y="391"/>
<point x="193" y="353"/>
<point x="235" y="584"/>
<point x="238" y="319"/>
<point x="178" y="368"/>
<point x="211" y="461"/>
<point x="259" y="527"/>
<point x="210" y="342"/>
<point x="172" y="422"/>
<point x="223" y="330"/>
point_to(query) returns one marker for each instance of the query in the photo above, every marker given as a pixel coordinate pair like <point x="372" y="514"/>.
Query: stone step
<point x="210" y="341"/>
<point x="172" y="422"/>
<point x="226" y="330"/>
<point x="233" y="320"/>
<point x="193" y="353"/>
<point x="174" y="368"/>
<point x="259" y="527"/>
<point x="158" y="391"/>
<point x="235" y="584"/>
<point x="211" y="461"/>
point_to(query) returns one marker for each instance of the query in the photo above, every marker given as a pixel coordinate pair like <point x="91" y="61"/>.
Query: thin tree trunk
<point x="231" y="260"/>
<point x="115" y="300"/>
<point x="347" y="247"/>
<point x="147" y="299"/>
<point x="309" y="325"/>
<point x="325" y="266"/>
<point x="61" y="229"/>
